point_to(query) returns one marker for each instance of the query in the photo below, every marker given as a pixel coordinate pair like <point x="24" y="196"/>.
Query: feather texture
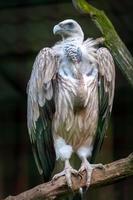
<point x="106" y="95"/>
<point x="70" y="97"/>
<point x="41" y="109"/>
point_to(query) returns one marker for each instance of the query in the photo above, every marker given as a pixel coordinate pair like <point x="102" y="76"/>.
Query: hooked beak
<point x="57" y="29"/>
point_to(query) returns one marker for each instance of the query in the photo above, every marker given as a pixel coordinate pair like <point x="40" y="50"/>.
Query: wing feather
<point x="106" y="95"/>
<point x="40" y="110"/>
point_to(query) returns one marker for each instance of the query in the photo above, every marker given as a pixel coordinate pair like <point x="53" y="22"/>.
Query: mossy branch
<point x="111" y="173"/>
<point x="118" y="49"/>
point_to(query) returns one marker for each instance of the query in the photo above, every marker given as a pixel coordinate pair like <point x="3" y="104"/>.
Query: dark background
<point x="25" y="28"/>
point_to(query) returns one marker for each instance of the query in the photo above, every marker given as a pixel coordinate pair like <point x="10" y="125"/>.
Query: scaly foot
<point x="67" y="172"/>
<point x="86" y="166"/>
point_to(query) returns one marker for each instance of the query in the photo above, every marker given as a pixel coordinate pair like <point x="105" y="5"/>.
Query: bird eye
<point x="70" y="24"/>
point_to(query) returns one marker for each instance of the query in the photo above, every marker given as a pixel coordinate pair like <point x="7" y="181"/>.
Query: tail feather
<point x="81" y="195"/>
<point x="77" y="196"/>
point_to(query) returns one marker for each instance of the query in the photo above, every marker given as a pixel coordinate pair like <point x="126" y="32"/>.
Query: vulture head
<point x="68" y="29"/>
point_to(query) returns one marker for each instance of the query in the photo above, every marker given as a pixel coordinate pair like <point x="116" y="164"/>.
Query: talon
<point x="99" y="166"/>
<point x="86" y="166"/>
<point x="56" y="176"/>
<point x="80" y="174"/>
<point x="67" y="172"/>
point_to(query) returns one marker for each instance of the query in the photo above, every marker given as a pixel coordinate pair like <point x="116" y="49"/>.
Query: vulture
<point x="70" y="97"/>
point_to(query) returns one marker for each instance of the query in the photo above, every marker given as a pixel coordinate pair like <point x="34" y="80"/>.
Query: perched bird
<point x="70" y="97"/>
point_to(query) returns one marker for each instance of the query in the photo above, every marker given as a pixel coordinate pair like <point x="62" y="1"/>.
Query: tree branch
<point x="112" y="40"/>
<point x="111" y="173"/>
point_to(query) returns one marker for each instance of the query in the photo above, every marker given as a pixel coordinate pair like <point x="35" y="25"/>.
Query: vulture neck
<point x="75" y="38"/>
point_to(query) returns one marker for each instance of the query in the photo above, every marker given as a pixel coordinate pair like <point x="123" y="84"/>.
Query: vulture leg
<point x="86" y="166"/>
<point x="67" y="172"/>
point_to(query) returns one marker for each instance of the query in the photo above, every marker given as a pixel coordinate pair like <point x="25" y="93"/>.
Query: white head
<point x="69" y="29"/>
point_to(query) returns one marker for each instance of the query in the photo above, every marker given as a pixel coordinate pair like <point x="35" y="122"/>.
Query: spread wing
<point x="106" y="95"/>
<point x="41" y="109"/>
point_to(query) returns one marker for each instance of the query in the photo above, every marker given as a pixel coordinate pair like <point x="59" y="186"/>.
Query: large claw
<point x="67" y="172"/>
<point x="86" y="166"/>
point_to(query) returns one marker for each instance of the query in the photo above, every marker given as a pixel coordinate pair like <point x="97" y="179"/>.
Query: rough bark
<point x="111" y="173"/>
